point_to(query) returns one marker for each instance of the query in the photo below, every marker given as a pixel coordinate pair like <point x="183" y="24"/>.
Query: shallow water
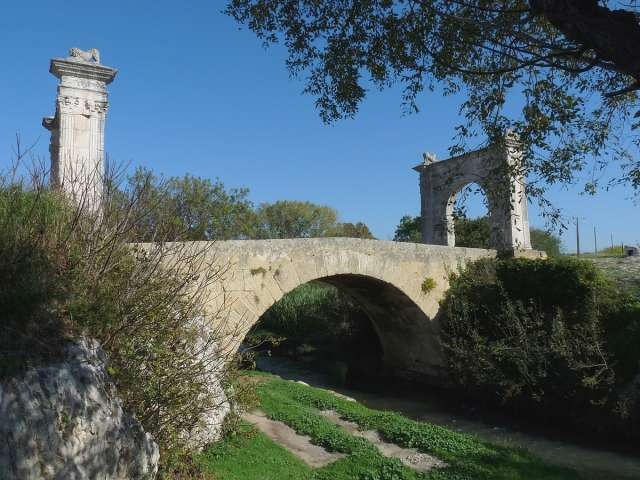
<point x="593" y="463"/>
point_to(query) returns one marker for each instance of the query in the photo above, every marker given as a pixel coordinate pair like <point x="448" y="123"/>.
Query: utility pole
<point x="577" y="236"/>
<point x="612" y="243"/>
<point x="595" y="241"/>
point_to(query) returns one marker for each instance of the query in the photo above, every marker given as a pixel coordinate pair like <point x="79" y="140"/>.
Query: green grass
<point x="299" y="407"/>
<point x="625" y="272"/>
<point x="252" y="455"/>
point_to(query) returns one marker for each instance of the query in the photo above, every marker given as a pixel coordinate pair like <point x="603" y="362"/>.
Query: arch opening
<point x="470" y="218"/>
<point x="355" y="329"/>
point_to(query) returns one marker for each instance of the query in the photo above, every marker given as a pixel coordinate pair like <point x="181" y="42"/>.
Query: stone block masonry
<point x="385" y="278"/>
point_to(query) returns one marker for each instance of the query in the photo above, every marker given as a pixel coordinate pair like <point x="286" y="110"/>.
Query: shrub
<point x="316" y="313"/>
<point x="428" y="284"/>
<point x="312" y="307"/>
<point x="545" y="335"/>
<point x="31" y="272"/>
<point x="67" y="272"/>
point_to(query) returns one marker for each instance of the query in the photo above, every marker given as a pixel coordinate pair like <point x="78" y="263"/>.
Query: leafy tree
<point x="469" y="232"/>
<point x="210" y="211"/>
<point x="545" y="241"/>
<point x="352" y="230"/>
<point x="563" y="75"/>
<point x="294" y="219"/>
<point x="409" y="229"/>
<point x="472" y="232"/>
<point x="191" y="208"/>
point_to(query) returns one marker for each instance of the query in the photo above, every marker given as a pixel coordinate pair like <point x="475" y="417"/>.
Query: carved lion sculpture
<point x="428" y="158"/>
<point x="92" y="55"/>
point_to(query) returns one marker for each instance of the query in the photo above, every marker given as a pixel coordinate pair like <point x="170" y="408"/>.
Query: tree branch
<point x="614" y="35"/>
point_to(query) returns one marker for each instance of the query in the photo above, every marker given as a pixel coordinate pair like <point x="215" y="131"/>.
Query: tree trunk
<point x="614" y="35"/>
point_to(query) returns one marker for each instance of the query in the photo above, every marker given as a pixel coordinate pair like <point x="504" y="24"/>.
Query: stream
<point x="553" y="447"/>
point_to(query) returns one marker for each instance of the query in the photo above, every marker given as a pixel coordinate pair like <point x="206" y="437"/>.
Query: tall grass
<point x="312" y="307"/>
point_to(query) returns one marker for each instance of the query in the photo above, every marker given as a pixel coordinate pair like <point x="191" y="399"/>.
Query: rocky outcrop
<point x="64" y="421"/>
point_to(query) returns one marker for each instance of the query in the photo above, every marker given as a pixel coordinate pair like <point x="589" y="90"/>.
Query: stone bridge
<point x="384" y="277"/>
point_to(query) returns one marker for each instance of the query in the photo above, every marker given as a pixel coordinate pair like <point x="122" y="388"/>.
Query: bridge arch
<point x="386" y="278"/>
<point x="402" y="328"/>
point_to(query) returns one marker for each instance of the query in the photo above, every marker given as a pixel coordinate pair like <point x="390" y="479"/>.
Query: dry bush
<point x="68" y="270"/>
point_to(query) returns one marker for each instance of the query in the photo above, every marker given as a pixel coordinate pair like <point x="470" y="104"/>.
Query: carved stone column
<point x="77" y="129"/>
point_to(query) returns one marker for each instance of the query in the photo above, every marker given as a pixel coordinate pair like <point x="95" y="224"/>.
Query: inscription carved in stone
<point x="86" y="83"/>
<point x="82" y="106"/>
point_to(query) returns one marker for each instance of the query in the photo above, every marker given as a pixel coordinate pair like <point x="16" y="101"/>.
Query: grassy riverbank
<point x="252" y="456"/>
<point x="624" y="271"/>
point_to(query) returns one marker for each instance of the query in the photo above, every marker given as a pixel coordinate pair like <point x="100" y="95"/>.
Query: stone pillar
<point x="434" y="212"/>
<point x="518" y="235"/>
<point x="77" y="128"/>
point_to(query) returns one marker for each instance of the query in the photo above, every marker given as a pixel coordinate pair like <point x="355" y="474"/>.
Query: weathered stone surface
<point x="77" y="127"/>
<point x="529" y="254"/>
<point x="64" y="421"/>
<point x="209" y="429"/>
<point x="300" y="445"/>
<point x="496" y="170"/>
<point x="385" y="277"/>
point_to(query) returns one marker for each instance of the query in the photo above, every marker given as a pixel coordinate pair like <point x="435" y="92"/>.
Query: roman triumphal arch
<point x="495" y="169"/>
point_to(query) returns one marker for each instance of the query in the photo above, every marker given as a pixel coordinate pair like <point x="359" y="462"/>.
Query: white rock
<point x="64" y="421"/>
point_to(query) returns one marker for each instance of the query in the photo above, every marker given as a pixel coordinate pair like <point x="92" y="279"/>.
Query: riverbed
<point x="592" y="462"/>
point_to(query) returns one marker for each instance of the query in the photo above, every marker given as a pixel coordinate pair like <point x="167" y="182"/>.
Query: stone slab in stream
<point x="300" y="445"/>
<point x="411" y="457"/>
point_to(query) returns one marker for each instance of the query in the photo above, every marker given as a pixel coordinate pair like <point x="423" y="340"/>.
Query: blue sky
<point x="197" y="94"/>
